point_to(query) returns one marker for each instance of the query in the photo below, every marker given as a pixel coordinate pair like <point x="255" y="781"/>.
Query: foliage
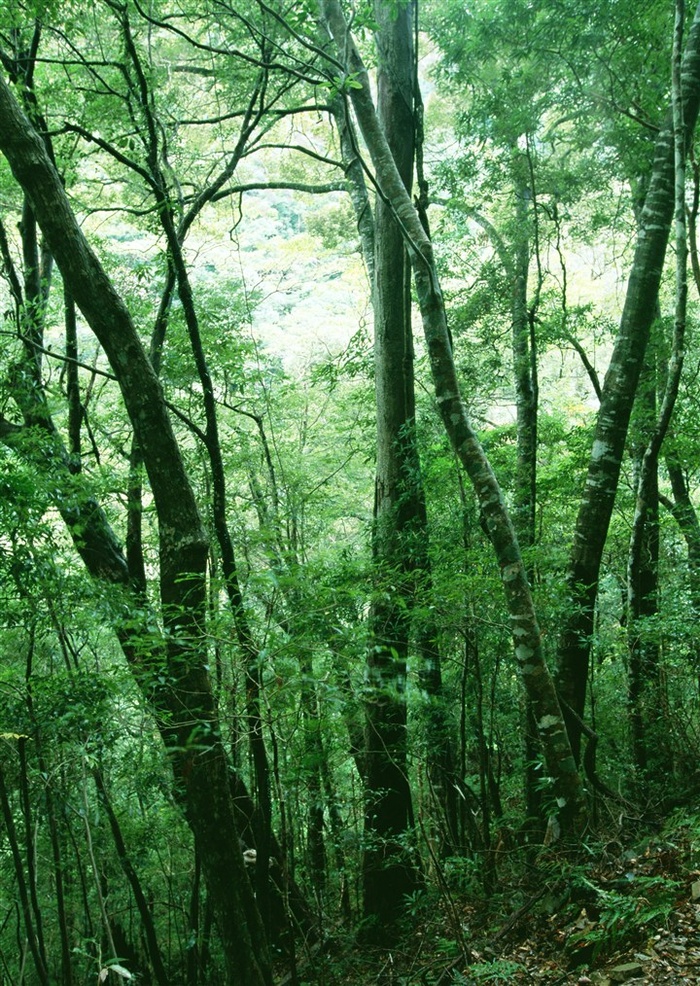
<point x="497" y="971"/>
<point x="216" y="120"/>
<point x="626" y="917"/>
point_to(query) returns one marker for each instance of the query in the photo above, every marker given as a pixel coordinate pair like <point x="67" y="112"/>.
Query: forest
<point x="349" y="492"/>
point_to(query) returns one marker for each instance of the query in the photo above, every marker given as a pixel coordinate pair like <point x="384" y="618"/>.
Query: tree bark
<point x="145" y="914"/>
<point x="644" y="541"/>
<point x="524" y="365"/>
<point x="619" y="389"/>
<point x="388" y="868"/>
<point x="184" y="706"/>
<point x="33" y="938"/>
<point x="642" y="593"/>
<point x="683" y="510"/>
<point x="526" y="633"/>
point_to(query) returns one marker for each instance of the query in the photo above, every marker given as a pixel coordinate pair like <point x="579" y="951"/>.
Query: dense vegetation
<point x="349" y="464"/>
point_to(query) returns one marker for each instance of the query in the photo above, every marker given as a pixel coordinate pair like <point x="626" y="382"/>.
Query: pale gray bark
<point x="525" y="629"/>
<point x="643" y="656"/>
<point x="619" y="389"/>
<point x="355" y="182"/>
<point x="389" y="873"/>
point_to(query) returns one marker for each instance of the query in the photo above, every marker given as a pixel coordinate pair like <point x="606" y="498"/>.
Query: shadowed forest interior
<point x="349" y="486"/>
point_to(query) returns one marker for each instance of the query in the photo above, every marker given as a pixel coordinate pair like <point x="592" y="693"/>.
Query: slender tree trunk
<point x="337" y="827"/>
<point x="642" y="596"/>
<point x="33" y="939"/>
<point x="685" y="514"/>
<point x="184" y="707"/>
<point x="515" y="258"/>
<point x="145" y="915"/>
<point x="526" y="633"/>
<point x="176" y="264"/>
<point x="29" y="843"/>
<point x="524" y="368"/>
<point x="59" y="867"/>
<point x="526" y="406"/>
<point x="619" y="389"/>
<point x="643" y="573"/>
<point x="312" y="776"/>
<point x="355" y="176"/>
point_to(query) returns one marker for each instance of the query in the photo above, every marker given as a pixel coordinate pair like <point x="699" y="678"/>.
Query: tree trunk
<point x="33" y="938"/>
<point x="644" y="542"/>
<point x="617" y="397"/>
<point x="515" y="258"/>
<point x="683" y="510"/>
<point x="145" y="913"/>
<point x="526" y="408"/>
<point x="388" y="867"/>
<point x="184" y="707"/>
<point x="524" y="368"/>
<point x="642" y="595"/>
<point x="526" y="633"/>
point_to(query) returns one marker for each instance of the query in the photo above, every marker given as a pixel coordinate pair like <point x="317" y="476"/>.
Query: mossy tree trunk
<point x="618" y="394"/>
<point x="568" y="804"/>
<point x="184" y="705"/>
<point x="389" y="873"/>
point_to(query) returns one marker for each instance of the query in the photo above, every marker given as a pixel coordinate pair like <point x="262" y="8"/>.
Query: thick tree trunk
<point x="526" y="633"/>
<point x="388" y="867"/>
<point x="185" y="707"/>
<point x="618" y="394"/>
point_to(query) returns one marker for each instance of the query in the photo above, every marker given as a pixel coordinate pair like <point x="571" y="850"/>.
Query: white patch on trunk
<point x="601" y="450"/>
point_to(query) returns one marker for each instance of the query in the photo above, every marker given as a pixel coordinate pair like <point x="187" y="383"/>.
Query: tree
<point x="184" y="705"/>
<point x="261" y="613"/>
<point x="524" y="626"/>
<point x="618" y="393"/>
<point x="643" y="573"/>
<point x="389" y="872"/>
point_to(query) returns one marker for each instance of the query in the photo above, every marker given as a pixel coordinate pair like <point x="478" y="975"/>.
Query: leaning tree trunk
<point x="645" y="528"/>
<point x="515" y="258"/>
<point x="525" y="377"/>
<point x="617" y="397"/>
<point x="185" y="707"/>
<point x="524" y="626"/>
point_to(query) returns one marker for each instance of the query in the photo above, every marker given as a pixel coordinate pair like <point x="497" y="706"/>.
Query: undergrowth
<point x="560" y="911"/>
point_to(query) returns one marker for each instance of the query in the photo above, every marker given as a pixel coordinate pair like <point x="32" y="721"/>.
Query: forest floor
<point x="618" y="916"/>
